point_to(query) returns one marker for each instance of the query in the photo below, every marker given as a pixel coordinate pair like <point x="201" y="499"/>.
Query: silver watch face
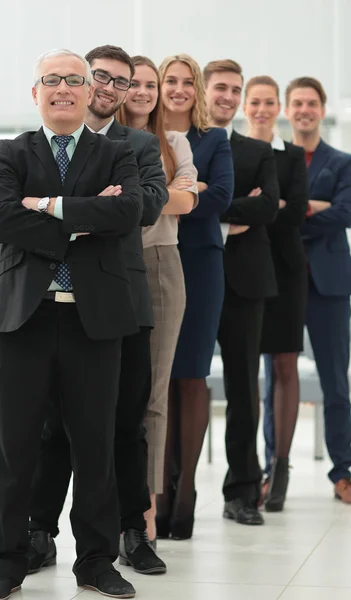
<point x="43" y="204"/>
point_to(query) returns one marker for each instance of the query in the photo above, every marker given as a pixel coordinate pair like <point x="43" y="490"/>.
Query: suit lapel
<point x="235" y="143"/>
<point x="80" y="157"/>
<point x="42" y="150"/>
<point x="116" y="132"/>
<point x="319" y="158"/>
<point x="194" y="137"/>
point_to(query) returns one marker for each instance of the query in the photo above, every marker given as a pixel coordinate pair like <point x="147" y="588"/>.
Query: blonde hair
<point x="199" y="113"/>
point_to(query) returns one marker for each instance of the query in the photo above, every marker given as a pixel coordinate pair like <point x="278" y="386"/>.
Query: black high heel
<point x="182" y="528"/>
<point x="163" y="521"/>
<point x="278" y="485"/>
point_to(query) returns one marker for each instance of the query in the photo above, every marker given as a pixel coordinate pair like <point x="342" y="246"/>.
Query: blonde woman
<point x="143" y="110"/>
<point x="201" y="248"/>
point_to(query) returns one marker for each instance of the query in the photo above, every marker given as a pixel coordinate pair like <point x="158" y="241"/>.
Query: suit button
<point x="53" y="266"/>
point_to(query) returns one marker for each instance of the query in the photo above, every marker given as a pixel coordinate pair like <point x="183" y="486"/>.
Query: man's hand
<point x="317" y="206"/>
<point x="30" y="203"/>
<point x="237" y="229"/>
<point x="255" y="192"/>
<point x="282" y="203"/>
<point x="180" y="183"/>
<point x="112" y="190"/>
<point x="201" y="186"/>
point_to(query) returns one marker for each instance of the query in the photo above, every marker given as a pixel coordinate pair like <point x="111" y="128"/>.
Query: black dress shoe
<point x="110" y="583"/>
<point x="8" y="587"/>
<point x="136" y="551"/>
<point x="242" y="511"/>
<point x="41" y="551"/>
<point x="278" y="485"/>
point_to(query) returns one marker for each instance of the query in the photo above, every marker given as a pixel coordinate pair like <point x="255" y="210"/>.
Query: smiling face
<point x="106" y="98"/>
<point x="178" y="91"/>
<point x="262" y="108"/>
<point x="143" y="94"/>
<point x="62" y="107"/>
<point x="305" y="110"/>
<point x="223" y="95"/>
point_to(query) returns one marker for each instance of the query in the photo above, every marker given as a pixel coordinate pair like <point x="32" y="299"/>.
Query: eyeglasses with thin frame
<point x="118" y="82"/>
<point x="53" y="80"/>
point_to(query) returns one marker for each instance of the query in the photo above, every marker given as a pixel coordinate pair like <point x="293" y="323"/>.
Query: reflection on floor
<point x="301" y="554"/>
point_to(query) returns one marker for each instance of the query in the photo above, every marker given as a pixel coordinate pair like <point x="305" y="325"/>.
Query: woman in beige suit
<point x="142" y="110"/>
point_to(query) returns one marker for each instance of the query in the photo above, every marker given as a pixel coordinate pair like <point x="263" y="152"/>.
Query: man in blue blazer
<point x="329" y="263"/>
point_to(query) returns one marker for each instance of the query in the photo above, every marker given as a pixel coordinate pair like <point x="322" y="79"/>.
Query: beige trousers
<point x="167" y="289"/>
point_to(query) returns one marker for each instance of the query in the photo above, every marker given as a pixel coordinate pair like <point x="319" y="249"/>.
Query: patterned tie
<point x="63" y="277"/>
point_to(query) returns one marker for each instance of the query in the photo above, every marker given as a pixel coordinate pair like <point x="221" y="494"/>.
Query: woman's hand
<point x="201" y="186"/>
<point x="180" y="183"/>
<point x="237" y="229"/>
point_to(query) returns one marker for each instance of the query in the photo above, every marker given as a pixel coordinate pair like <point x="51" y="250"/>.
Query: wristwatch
<point x="43" y="204"/>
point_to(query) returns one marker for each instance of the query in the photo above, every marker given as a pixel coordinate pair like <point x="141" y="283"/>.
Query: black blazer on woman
<point x="284" y="232"/>
<point x="248" y="260"/>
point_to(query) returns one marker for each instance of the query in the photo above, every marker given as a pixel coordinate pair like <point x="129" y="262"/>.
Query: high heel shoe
<point x="278" y="485"/>
<point x="182" y="528"/>
<point x="163" y="521"/>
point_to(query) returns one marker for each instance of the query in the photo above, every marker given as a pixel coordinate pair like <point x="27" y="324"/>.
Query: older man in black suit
<point x="112" y="70"/>
<point x="65" y="305"/>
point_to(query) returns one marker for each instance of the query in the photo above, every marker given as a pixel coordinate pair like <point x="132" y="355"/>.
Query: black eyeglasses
<point x="55" y="80"/>
<point x="118" y="82"/>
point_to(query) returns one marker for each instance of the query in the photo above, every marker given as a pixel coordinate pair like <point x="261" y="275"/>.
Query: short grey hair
<point x="61" y="52"/>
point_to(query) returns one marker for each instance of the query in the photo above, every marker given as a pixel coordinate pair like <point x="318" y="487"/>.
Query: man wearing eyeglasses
<point x="112" y="69"/>
<point x="65" y="303"/>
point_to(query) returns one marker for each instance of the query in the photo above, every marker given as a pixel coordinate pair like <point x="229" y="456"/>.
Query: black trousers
<point x="53" y="471"/>
<point x="239" y="338"/>
<point x="53" y="347"/>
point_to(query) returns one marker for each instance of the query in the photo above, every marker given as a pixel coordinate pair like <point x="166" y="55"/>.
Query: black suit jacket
<point x="33" y="244"/>
<point x="284" y="232"/>
<point x="248" y="262"/>
<point x="155" y="195"/>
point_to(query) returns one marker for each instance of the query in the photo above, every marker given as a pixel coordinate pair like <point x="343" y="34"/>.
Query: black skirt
<point x="284" y="315"/>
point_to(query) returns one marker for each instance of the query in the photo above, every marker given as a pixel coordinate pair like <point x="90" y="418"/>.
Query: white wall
<point x="283" y="38"/>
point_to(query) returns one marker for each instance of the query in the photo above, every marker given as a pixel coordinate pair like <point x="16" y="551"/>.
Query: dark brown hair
<point x="306" y="82"/>
<point x="113" y="52"/>
<point x="156" y="122"/>
<point x="221" y="66"/>
<point x="261" y="80"/>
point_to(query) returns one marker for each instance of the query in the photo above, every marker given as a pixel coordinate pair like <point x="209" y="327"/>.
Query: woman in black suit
<point x="283" y="323"/>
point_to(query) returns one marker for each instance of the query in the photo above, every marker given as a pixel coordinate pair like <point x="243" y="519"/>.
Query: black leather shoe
<point x="136" y="551"/>
<point x="110" y="583"/>
<point x="242" y="511"/>
<point x="41" y="551"/>
<point x="8" y="587"/>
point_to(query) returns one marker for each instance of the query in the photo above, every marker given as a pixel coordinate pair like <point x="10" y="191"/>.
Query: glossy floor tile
<point x="303" y="553"/>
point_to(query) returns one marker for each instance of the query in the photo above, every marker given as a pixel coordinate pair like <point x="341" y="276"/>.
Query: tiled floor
<point x="303" y="553"/>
